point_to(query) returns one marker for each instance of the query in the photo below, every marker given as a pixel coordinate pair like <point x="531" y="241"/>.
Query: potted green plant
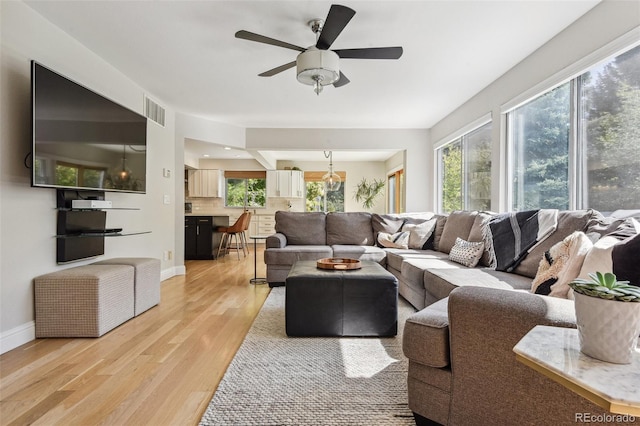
<point x="366" y="192"/>
<point x="608" y="317"/>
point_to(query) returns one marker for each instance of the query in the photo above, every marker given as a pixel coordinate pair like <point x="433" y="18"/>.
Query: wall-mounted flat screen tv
<point x="82" y="140"/>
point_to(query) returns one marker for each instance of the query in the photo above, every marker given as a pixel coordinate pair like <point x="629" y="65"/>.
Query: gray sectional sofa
<point x="425" y="275"/>
<point x="459" y="342"/>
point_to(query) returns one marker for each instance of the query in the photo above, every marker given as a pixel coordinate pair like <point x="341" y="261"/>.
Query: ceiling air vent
<point x="153" y="111"/>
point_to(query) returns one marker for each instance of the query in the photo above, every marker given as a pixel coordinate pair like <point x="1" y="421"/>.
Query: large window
<point x="609" y="117"/>
<point x="539" y="132"/>
<point x="465" y="172"/>
<point x="246" y="189"/>
<point x="318" y="199"/>
<point x="586" y="159"/>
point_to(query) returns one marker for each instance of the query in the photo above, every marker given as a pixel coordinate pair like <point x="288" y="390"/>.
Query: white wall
<point x="416" y="142"/>
<point x="597" y="28"/>
<point x="28" y="215"/>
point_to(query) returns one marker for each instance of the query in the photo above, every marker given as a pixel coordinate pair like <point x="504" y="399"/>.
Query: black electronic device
<point x="72" y="225"/>
<point x="82" y="140"/>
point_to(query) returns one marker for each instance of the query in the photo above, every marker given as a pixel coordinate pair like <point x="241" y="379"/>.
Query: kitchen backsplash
<point x="207" y="206"/>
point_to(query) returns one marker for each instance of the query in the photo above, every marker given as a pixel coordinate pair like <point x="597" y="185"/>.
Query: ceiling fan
<point x="317" y="65"/>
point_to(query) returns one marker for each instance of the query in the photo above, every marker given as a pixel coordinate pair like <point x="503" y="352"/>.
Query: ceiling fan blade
<point x="338" y="18"/>
<point x="246" y="35"/>
<point x="277" y="70"/>
<point x="341" y="81"/>
<point x="370" y="53"/>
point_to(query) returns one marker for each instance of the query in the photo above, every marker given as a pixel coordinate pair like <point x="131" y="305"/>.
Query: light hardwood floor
<point x="160" y="368"/>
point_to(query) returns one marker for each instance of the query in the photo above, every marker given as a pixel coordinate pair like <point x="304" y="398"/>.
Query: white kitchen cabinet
<point x="266" y="224"/>
<point x="260" y="224"/>
<point x="285" y="183"/>
<point x="206" y="183"/>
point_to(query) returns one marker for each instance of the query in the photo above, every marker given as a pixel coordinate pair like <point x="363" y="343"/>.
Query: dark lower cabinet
<point x="198" y="237"/>
<point x="201" y="240"/>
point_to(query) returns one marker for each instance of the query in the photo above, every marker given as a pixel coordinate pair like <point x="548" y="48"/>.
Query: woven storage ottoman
<point x="146" y="280"/>
<point x="86" y="301"/>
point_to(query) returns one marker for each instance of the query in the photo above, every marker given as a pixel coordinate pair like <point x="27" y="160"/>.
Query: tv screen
<point x="82" y="140"/>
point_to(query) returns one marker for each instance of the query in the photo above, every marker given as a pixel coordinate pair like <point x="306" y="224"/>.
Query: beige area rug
<point x="280" y="380"/>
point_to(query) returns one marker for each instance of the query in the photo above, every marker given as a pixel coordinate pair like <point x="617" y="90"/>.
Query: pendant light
<point x="331" y="180"/>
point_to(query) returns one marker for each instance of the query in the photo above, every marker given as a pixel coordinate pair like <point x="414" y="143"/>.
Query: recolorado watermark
<point x="603" y="418"/>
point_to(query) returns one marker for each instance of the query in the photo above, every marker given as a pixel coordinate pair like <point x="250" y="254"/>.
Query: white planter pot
<point x="608" y="329"/>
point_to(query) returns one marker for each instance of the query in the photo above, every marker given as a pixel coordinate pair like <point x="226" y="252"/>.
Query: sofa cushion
<point x="302" y="227"/>
<point x="395" y="257"/>
<point x="560" y="265"/>
<point x="290" y="254"/>
<point x="426" y="335"/>
<point x="517" y="282"/>
<point x="372" y="253"/>
<point x="349" y="228"/>
<point x="413" y="270"/>
<point x="458" y="225"/>
<point x="433" y="241"/>
<point x="569" y="221"/>
<point x="621" y="228"/>
<point x="386" y="223"/>
<point x="441" y="282"/>
<point x="476" y="235"/>
<point x="416" y="217"/>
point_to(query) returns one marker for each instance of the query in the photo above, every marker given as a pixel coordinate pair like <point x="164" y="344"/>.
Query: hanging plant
<point x="366" y="192"/>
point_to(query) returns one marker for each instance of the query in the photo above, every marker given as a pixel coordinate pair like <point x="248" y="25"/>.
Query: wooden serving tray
<point x="339" y="263"/>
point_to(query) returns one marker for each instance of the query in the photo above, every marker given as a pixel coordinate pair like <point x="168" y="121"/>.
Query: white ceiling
<point x="185" y="54"/>
<point x="220" y="152"/>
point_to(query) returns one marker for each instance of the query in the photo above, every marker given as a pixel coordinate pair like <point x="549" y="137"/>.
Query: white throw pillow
<point x="397" y="240"/>
<point x="560" y="265"/>
<point x="419" y="233"/>
<point x="466" y="253"/>
<point x="599" y="258"/>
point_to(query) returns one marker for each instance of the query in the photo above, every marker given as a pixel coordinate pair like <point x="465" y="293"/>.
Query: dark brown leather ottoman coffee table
<point x="361" y="302"/>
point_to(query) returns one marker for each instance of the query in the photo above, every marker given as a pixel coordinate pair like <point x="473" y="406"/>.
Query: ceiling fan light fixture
<point x="318" y="84"/>
<point x="318" y="68"/>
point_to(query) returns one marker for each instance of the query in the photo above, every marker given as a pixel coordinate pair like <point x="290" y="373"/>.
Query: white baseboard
<point x="17" y="336"/>
<point x="25" y="333"/>
<point x="172" y="272"/>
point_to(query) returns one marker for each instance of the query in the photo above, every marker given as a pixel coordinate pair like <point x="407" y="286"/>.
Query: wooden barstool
<point x="233" y="231"/>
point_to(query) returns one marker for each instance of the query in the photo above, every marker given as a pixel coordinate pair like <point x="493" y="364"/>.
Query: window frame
<point x="577" y="181"/>
<point x="316" y="176"/>
<point x="458" y="136"/>
<point x="245" y="176"/>
<point x="398" y="201"/>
